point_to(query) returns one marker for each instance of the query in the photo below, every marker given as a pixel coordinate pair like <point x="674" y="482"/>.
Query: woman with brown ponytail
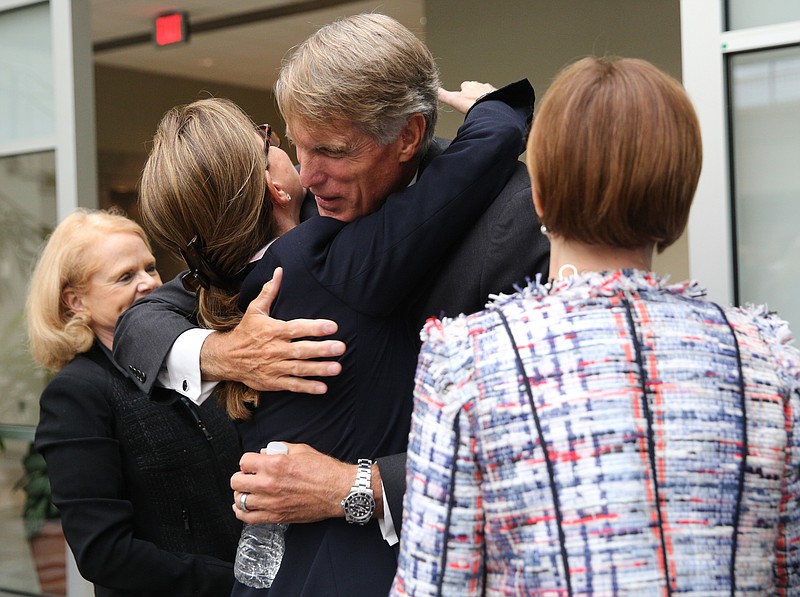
<point x="220" y="195"/>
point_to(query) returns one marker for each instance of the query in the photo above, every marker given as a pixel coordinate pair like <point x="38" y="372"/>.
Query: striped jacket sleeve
<point x="441" y="546"/>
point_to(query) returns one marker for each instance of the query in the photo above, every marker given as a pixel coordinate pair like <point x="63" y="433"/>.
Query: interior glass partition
<point x="27" y="214"/>
<point x="741" y="67"/>
<point x="26" y="75"/>
<point x="742" y="14"/>
<point x="765" y="141"/>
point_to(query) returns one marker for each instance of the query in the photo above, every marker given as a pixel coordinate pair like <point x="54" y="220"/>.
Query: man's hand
<point x="301" y="486"/>
<point x="260" y="351"/>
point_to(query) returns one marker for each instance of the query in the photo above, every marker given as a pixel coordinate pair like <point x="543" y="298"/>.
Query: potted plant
<point x="43" y="525"/>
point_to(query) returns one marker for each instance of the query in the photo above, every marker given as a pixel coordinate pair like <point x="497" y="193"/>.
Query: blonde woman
<point x="141" y="486"/>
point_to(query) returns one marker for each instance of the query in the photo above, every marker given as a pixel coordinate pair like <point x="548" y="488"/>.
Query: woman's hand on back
<point x="463" y="100"/>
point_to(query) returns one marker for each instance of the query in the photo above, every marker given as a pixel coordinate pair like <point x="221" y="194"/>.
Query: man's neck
<point x="409" y="174"/>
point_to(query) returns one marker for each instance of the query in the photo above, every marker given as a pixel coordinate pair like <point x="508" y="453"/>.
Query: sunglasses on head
<point x="271" y="139"/>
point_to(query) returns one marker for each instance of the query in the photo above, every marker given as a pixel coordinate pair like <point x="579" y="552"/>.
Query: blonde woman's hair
<point x="615" y="154"/>
<point x="56" y="334"/>
<point x="205" y="176"/>
<point x="368" y="70"/>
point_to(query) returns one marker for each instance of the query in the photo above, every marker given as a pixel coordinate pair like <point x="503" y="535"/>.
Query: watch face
<point x="359" y="507"/>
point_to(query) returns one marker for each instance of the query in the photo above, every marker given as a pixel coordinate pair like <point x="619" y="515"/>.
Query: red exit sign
<point x="172" y="28"/>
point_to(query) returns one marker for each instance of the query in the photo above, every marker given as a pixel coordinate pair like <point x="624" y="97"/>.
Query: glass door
<point x="765" y="141"/>
<point x="741" y="67"/>
<point x="44" y="144"/>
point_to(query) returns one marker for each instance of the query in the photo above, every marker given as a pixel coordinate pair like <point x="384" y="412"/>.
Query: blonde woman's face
<point x="126" y="273"/>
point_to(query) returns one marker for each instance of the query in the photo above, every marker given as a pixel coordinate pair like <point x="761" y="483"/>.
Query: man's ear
<point x="411" y="137"/>
<point x="72" y="300"/>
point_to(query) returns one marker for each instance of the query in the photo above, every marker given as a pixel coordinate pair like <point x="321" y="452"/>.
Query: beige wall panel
<point x="504" y="40"/>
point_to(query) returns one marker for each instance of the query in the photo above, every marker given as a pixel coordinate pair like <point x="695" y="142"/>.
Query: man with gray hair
<point x="345" y="94"/>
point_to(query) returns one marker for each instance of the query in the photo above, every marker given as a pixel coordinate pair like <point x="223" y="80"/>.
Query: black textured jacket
<point x="142" y="487"/>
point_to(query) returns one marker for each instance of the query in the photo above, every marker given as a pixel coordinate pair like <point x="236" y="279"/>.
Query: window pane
<point x="27" y="214"/>
<point x="765" y="90"/>
<point x="20" y="569"/>
<point x="747" y="13"/>
<point x="26" y="74"/>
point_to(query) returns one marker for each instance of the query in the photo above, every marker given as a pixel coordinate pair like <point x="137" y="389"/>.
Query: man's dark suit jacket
<point x="478" y="265"/>
<point x="503" y="250"/>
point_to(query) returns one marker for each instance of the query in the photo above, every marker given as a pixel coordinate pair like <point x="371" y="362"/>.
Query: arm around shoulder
<point x="269" y="354"/>
<point x="146" y="332"/>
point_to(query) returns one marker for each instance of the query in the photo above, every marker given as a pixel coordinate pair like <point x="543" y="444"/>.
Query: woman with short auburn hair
<point x="606" y="433"/>
<point x="632" y="136"/>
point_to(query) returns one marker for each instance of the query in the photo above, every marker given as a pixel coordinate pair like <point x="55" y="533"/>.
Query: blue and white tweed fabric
<point x="652" y="447"/>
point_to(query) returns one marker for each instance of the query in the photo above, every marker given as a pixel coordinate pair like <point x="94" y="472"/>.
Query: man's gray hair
<point x="367" y="69"/>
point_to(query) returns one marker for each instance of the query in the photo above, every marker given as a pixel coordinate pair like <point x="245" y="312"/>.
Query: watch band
<point x="364" y="475"/>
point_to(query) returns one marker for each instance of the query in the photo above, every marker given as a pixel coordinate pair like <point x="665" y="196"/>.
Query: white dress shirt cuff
<point x="181" y="370"/>
<point x="386" y="523"/>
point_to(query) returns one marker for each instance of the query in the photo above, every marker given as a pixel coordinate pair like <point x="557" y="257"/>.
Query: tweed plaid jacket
<point x="604" y="435"/>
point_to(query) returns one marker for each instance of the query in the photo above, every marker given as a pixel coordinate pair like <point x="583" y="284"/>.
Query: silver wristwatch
<point x="359" y="505"/>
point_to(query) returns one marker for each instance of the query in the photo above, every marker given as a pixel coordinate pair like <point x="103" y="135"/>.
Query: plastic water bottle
<point x="260" y="550"/>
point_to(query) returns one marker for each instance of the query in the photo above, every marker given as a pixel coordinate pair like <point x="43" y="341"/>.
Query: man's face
<point x="348" y="173"/>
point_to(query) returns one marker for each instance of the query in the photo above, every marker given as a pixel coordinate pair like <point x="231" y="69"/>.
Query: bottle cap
<point x="276" y="448"/>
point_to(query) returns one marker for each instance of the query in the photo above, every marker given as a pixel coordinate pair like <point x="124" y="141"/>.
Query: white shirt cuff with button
<point x="386" y="523"/>
<point x="181" y="370"/>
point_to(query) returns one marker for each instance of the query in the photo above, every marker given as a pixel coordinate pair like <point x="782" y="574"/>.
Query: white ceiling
<point x="247" y="55"/>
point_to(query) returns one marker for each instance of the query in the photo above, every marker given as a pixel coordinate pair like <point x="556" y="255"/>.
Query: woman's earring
<point x="287" y="199"/>
<point x="567" y="270"/>
<point x="544" y="231"/>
